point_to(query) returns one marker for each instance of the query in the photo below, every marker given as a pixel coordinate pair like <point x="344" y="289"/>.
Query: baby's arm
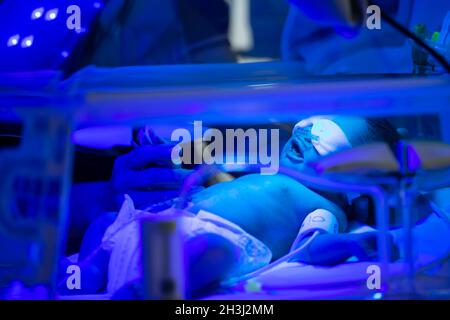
<point x="333" y="249"/>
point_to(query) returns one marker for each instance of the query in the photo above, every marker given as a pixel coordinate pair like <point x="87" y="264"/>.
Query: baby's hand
<point x="147" y="173"/>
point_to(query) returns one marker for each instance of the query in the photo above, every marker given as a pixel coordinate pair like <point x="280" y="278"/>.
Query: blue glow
<point x="37" y="13"/>
<point x="377" y="296"/>
<point x="98" y="5"/>
<point x="27" y="42"/>
<point x="13" y="40"/>
<point x="51" y="14"/>
<point x="46" y="20"/>
<point x="108" y="103"/>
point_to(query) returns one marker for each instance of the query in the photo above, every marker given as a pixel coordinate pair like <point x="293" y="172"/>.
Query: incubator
<point x="342" y="205"/>
<point x="102" y="105"/>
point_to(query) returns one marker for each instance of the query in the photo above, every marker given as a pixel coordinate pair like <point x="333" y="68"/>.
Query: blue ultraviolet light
<point x="37" y="13"/>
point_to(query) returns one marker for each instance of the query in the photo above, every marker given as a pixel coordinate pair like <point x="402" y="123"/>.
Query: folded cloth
<point x="123" y="240"/>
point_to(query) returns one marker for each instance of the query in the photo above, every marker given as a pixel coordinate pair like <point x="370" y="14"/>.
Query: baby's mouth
<point x="295" y="152"/>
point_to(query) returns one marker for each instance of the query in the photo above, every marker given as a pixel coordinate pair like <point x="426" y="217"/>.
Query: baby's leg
<point x="209" y="259"/>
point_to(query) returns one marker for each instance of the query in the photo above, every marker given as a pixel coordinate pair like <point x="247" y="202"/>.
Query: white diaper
<point x="122" y="239"/>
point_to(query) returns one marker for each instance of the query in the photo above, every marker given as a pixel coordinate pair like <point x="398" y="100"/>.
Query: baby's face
<point x="319" y="136"/>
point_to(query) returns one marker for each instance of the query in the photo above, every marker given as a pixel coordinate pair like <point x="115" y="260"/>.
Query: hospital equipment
<point x="163" y="258"/>
<point x="390" y="180"/>
<point x="411" y="160"/>
<point x="320" y="220"/>
<point x="215" y="93"/>
<point x="439" y="40"/>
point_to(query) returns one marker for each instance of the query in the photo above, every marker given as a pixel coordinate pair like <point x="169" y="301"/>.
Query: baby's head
<point x="319" y="136"/>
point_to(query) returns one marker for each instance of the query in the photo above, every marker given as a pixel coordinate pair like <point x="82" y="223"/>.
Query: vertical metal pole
<point x="163" y="258"/>
<point x="382" y="219"/>
<point x="404" y="198"/>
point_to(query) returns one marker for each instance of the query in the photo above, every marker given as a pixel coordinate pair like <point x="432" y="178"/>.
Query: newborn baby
<point x="266" y="211"/>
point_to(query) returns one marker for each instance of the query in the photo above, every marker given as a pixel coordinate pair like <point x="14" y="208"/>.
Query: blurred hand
<point x="347" y="14"/>
<point x="147" y="173"/>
